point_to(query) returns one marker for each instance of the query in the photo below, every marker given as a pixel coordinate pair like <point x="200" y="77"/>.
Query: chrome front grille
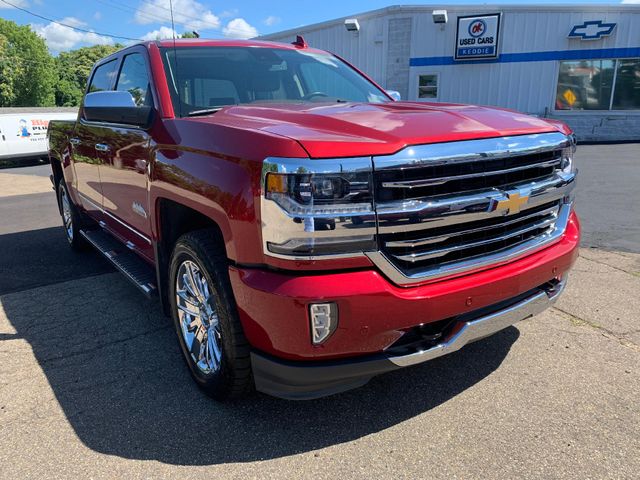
<point x="447" y="177"/>
<point x="453" y="207"/>
<point x="443" y="245"/>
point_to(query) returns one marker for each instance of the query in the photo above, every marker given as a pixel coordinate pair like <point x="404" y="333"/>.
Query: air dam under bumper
<point x="308" y="380"/>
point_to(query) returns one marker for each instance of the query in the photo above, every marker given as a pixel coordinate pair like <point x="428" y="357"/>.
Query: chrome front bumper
<point x="484" y="326"/>
<point x="308" y="380"/>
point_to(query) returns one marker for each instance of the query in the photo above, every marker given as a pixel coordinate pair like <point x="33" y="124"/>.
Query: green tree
<point x="73" y="69"/>
<point x="189" y="35"/>
<point x="27" y="72"/>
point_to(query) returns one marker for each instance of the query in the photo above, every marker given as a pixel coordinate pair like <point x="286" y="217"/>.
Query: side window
<point x="134" y="79"/>
<point x="103" y="77"/>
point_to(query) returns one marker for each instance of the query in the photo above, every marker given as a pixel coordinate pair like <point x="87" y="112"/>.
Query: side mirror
<point x="394" y="94"/>
<point x="116" y="107"/>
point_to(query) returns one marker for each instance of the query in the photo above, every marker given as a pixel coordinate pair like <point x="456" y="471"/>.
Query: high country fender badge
<point x="592" y="30"/>
<point x="512" y="204"/>
<point x="139" y="209"/>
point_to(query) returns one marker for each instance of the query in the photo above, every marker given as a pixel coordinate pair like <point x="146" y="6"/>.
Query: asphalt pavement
<point x="92" y="383"/>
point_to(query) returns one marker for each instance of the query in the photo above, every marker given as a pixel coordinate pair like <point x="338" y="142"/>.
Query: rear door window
<point x="103" y="77"/>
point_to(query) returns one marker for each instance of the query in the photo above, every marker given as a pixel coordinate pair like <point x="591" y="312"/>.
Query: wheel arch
<point x="174" y="219"/>
<point x="56" y="169"/>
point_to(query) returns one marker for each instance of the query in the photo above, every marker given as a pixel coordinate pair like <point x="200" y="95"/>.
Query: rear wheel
<point x="71" y="219"/>
<point x="206" y="319"/>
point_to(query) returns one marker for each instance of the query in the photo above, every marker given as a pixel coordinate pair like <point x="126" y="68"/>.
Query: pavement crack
<point x="629" y="272"/>
<point x="582" y="322"/>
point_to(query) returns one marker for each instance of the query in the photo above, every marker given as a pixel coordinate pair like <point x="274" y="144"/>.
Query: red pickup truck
<point x="304" y="230"/>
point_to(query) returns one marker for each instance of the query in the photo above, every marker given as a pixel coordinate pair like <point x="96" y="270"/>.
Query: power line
<point x="128" y="9"/>
<point x="160" y="19"/>
<point x="155" y="16"/>
<point x="67" y="25"/>
<point x="163" y="19"/>
<point x="149" y="2"/>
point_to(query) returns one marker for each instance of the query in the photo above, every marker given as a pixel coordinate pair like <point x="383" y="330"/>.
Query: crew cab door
<point x="126" y="161"/>
<point x="87" y="145"/>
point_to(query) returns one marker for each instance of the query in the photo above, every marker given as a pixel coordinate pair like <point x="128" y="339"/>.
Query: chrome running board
<point x="141" y="274"/>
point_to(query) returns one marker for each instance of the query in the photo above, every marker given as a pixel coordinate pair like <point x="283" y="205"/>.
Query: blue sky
<point x="150" y="19"/>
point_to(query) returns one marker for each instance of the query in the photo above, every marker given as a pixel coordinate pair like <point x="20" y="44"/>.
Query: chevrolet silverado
<point x="303" y="229"/>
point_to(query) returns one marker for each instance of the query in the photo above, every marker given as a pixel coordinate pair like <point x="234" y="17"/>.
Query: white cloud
<point x="191" y="14"/>
<point x="239" y="28"/>
<point x="233" y="12"/>
<point x="17" y="3"/>
<point x="97" y="15"/>
<point x="60" y="38"/>
<point x="161" y="33"/>
<point x="271" y="20"/>
<point x="634" y="2"/>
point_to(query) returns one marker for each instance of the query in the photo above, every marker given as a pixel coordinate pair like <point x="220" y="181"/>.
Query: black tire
<point x="233" y="378"/>
<point x="72" y="231"/>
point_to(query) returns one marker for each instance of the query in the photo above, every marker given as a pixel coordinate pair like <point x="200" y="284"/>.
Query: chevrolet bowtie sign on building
<point x="477" y="37"/>
<point x="592" y="30"/>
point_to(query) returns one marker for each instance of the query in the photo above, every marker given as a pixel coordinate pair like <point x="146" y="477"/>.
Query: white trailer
<point x="23" y="132"/>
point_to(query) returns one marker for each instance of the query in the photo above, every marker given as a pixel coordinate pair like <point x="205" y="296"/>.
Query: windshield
<point x="210" y="77"/>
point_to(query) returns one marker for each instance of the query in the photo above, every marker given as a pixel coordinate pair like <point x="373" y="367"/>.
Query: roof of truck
<point x="225" y="42"/>
<point x="207" y="42"/>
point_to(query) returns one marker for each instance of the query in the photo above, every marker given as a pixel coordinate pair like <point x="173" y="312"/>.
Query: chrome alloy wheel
<point x="198" y="317"/>
<point x="67" y="218"/>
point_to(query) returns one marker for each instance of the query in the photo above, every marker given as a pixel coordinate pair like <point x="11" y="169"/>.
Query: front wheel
<point x="70" y="217"/>
<point x="206" y="319"/>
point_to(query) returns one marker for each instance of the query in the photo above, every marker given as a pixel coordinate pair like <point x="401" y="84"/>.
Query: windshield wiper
<point x="204" y="111"/>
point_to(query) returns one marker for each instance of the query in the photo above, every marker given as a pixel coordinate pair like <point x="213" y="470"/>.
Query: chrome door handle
<point x="74" y="141"/>
<point x="102" y="147"/>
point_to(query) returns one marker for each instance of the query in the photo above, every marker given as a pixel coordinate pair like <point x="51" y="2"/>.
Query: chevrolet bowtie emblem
<point x="511" y="205"/>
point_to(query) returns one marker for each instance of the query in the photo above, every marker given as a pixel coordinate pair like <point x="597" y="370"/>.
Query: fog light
<point x="324" y="320"/>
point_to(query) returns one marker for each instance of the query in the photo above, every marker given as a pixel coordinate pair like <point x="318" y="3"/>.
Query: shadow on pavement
<point x="113" y="362"/>
<point x="42" y="257"/>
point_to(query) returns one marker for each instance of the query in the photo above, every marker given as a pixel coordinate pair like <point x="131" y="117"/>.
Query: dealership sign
<point x="477" y="37"/>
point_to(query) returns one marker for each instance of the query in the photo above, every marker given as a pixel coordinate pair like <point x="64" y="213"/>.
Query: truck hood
<point x="361" y="129"/>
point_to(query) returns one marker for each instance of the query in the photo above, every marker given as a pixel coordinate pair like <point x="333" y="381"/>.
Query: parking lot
<point x="92" y="383"/>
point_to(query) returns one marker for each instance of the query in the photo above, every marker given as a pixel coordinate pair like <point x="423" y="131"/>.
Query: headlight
<point x="567" y="164"/>
<point x="320" y="194"/>
<point x="317" y="207"/>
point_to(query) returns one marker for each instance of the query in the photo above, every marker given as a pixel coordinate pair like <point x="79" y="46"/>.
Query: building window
<point x="627" y="92"/>
<point x="428" y="86"/>
<point x="598" y="85"/>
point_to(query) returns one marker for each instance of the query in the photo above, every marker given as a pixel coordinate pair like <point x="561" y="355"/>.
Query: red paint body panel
<point x="165" y="107"/>
<point x="273" y="306"/>
<point x="123" y="177"/>
<point x="349" y="130"/>
<point x="192" y="168"/>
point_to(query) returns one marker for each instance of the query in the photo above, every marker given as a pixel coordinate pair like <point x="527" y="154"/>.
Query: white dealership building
<point x="578" y="63"/>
